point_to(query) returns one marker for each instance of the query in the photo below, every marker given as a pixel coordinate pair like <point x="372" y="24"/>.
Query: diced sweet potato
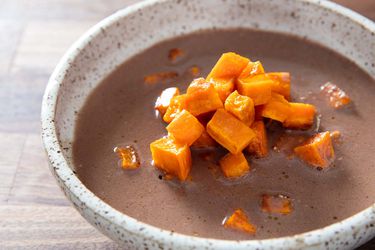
<point x="281" y="83"/>
<point x="229" y="132"/>
<point x="223" y="87"/>
<point x="202" y="97"/>
<point x="129" y="157"/>
<point x="252" y="69"/>
<point x="278" y="108"/>
<point x="278" y="204"/>
<point x="197" y="84"/>
<point x="194" y="70"/>
<point x="185" y="128"/>
<point x="258" y="115"/>
<point x="317" y="151"/>
<point x="234" y="166"/>
<point x="242" y="107"/>
<point x="229" y="65"/>
<point x="163" y="101"/>
<point x="239" y="221"/>
<point x="259" y="145"/>
<point x="337" y="97"/>
<point x="301" y="116"/>
<point x="175" y="54"/>
<point x="335" y="135"/>
<point x="171" y="157"/>
<point x="177" y="104"/>
<point x="258" y="88"/>
<point x="204" y="141"/>
<point x="160" y="77"/>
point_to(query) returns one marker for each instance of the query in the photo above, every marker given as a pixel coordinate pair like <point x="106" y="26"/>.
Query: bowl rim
<point x="63" y="173"/>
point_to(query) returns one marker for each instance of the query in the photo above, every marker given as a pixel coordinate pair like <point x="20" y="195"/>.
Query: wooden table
<point x="34" y="34"/>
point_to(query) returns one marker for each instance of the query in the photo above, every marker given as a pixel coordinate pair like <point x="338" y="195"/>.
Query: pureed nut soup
<point x="120" y="112"/>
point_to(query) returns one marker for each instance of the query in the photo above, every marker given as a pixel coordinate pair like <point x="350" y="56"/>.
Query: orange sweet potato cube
<point x="278" y="108"/>
<point x="202" y="97"/>
<point x="301" y="116"/>
<point x="223" y="87"/>
<point x="171" y="157"/>
<point x="163" y="101"/>
<point x="229" y="65"/>
<point x="278" y="204"/>
<point x="177" y="104"/>
<point x="337" y="97"/>
<point x="258" y="88"/>
<point x="234" y="166"/>
<point x="128" y="156"/>
<point x="281" y="83"/>
<point x="229" y="132"/>
<point x="259" y="145"/>
<point x="242" y="107"/>
<point x="185" y="128"/>
<point x="317" y="151"/>
<point x="239" y="221"/>
<point x="204" y="141"/>
<point x="252" y="69"/>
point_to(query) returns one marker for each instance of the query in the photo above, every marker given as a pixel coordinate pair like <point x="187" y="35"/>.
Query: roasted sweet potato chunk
<point x="128" y="156"/>
<point x="204" y="141"/>
<point x="278" y="204"/>
<point x="229" y="65"/>
<point x="278" y="108"/>
<point x="171" y="157"/>
<point x="335" y="135"/>
<point x="281" y="83"/>
<point x="234" y="166"/>
<point x="175" y="54"/>
<point x="317" y="151"/>
<point x="163" y="101"/>
<point x="242" y="107"/>
<point x="223" y="87"/>
<point x="252" y="69"/>
<point x="239" y="221"/>
<point x="258" y="88"/>
<point x="229" y="132"/>
<point x="337" y="97"/>
<point x="301" y="116"/>
<point x="259" y="145"/>
<point x="202" y="97"/>
<point x="160" y="77"/>
<point x="177" y="104"/>
<point x="194" y="70"/>
<point x="185" y="128"/>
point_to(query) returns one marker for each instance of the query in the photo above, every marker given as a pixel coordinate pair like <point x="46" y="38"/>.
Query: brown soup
<point x="120" y="111"/>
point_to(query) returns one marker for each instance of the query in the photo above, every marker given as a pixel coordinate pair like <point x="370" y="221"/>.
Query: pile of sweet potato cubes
<point x="236" y="96"/>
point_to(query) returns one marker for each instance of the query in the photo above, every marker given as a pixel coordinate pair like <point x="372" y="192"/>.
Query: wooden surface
<point x="34" y="34"/>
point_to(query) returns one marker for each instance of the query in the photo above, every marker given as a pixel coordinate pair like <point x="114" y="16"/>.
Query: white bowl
<point x="125" y="33"/>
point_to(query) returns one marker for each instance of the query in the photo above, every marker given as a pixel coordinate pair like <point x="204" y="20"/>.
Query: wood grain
<point x="38" y="227"/>
<point x="34" y="214"/>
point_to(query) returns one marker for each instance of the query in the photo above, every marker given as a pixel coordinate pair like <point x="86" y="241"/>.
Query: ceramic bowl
<point x="133" y="29"/>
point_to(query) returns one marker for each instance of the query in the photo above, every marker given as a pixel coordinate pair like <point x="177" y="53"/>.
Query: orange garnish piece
<point x="128" y="156"/>
<point x="335" y="135"/>
<point x="234" y="165"/>
<point x="317" y="151"/>
<point x="279" y="204"/>
<point x="163" y="101"/>
<point x="194" y="71"/>
<point x="175" y="54"/>
<point x="337" y="97"/>
<point x="160" y="77"/>
<point x="239" y="221"/>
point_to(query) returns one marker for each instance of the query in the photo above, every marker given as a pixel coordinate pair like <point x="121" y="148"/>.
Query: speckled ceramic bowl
<point x="125" y="33"/>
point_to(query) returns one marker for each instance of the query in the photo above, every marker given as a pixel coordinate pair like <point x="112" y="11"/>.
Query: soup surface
<point x="121" y="112"/>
